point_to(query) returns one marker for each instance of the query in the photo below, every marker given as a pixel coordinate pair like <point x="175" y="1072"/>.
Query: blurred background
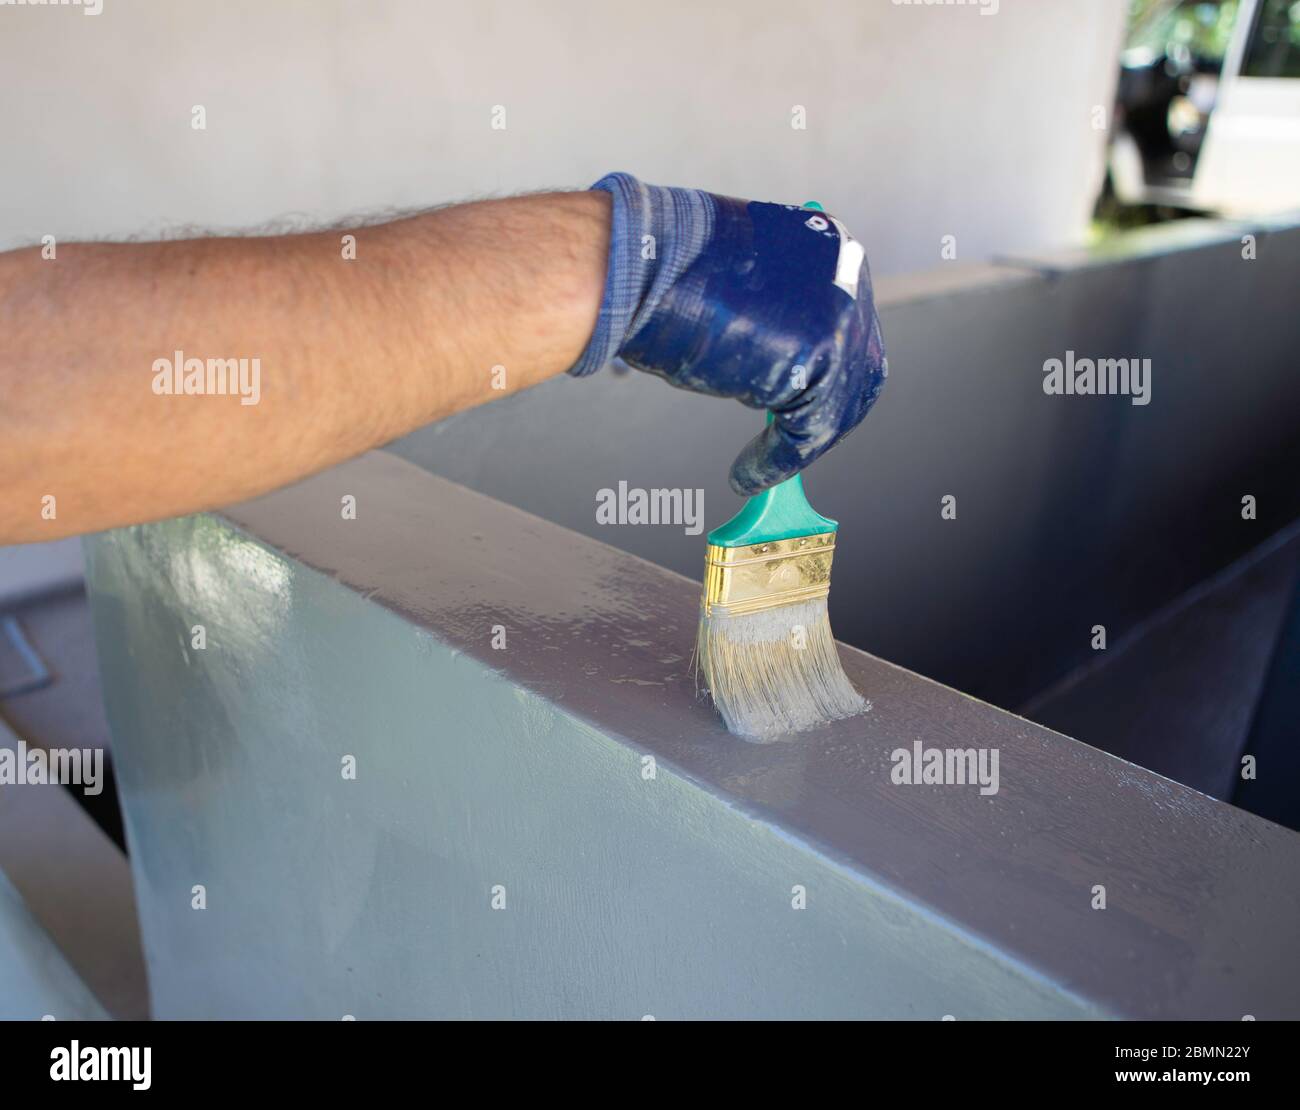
<point x="1207" y="115"/>
<point x="1110" y="178"/>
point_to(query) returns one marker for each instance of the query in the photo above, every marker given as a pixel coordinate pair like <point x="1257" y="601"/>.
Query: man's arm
<point x="351" y="353"/>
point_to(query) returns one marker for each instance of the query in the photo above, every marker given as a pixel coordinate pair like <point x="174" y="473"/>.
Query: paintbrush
<point x="764" y="645"/>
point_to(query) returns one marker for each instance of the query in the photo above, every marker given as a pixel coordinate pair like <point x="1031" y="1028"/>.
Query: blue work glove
<point x="767" y="303"/>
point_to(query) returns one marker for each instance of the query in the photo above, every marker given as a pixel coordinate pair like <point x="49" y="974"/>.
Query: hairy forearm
<point x="434" y="314"/>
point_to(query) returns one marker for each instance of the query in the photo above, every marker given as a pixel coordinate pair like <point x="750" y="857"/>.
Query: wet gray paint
<point x="524" y="768"/>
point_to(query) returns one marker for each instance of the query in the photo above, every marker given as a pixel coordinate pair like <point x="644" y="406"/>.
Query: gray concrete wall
<point x="1071" y="511"/>
<point x="921" y="121"/>
<point x="522" y="772"/>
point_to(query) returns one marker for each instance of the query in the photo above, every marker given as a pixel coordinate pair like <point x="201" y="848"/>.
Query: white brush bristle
<point x="776" y="671"/>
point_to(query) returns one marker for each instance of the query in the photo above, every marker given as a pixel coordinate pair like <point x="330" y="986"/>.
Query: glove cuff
<point x="655" y="234"/>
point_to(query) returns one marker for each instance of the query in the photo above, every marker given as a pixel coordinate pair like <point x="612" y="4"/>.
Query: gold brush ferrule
<point x="750" y="579"/>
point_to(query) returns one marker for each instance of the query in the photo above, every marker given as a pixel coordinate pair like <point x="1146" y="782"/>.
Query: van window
<point x="1189" y="28"/>
<point x="1274" y="47"/>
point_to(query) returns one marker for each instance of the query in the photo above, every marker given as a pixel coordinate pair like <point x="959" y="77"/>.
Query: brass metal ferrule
<point x="750" y="579"/>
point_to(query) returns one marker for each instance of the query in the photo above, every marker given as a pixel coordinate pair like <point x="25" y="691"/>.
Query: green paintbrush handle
<point x="779" y="513"/>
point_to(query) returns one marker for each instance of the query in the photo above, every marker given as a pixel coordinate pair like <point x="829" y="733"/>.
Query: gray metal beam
<point x="523" y="774"/>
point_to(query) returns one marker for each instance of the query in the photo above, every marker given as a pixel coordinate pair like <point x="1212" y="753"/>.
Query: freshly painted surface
<point x="525" y="769"/>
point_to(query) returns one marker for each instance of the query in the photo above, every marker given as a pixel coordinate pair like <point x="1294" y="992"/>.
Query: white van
<point x="1208" y="114"/>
